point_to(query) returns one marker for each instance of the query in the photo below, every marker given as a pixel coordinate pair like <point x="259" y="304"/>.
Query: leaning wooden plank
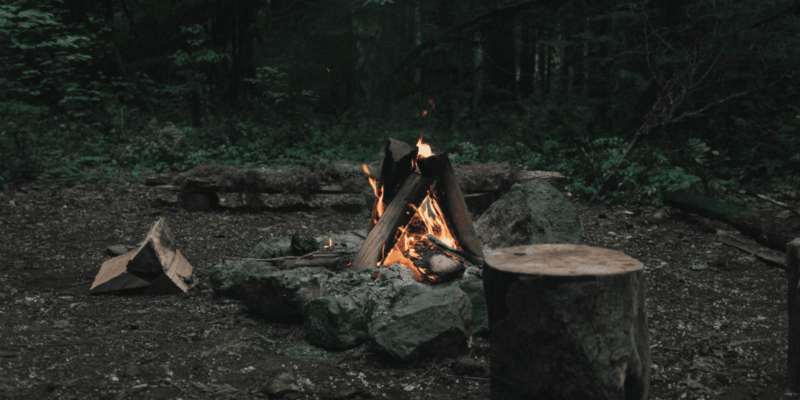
<point x="156" y="252"/>
<point x="113" y="276"/>
<point x="766" y="227"/>
<point x="766" y="254"/>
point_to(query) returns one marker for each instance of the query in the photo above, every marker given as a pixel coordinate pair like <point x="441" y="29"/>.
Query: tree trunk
<point x="566" y="322"/>
<point x="477" y="79"/>
<point x="417" y="41"/>
<point x="518" y="44"/>
<point x="766" y="228"/>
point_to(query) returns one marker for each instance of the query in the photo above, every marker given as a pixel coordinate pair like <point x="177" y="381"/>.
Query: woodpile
<point x="155" y="267"/>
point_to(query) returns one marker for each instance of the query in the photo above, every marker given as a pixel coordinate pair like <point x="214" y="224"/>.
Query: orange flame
<point x="330" y="244"/>
<point x="424" y="149"/>
<point x="411" y="239"/>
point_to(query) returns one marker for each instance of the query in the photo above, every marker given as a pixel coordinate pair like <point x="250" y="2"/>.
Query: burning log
<point x="382" y="236"/>
<point x="558" y="312"/>
<point x="452" y="204"/>
<point x="443" y="265"/>
<point x="398" y="164"/>
<point x="155" y="266"/>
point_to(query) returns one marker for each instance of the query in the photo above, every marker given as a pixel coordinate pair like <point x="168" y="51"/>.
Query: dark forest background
<point x="696" y="95"/>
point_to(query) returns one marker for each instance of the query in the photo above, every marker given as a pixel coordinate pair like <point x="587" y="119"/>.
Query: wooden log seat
<point x="566" y="322"/>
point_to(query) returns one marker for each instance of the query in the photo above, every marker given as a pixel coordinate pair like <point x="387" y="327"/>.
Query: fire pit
<point x="413" y="288"/>
<point x="419" y="217"/>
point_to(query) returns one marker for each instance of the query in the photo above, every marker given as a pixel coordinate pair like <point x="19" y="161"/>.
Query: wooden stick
<point x="325" y="259"/>
<point x="441" y="245"/>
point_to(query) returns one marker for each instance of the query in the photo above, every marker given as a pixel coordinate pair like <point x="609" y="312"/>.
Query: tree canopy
<point x="625" y="98"/>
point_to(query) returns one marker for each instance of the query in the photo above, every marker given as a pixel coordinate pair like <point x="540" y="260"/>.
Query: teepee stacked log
<point x="155" y="267"/>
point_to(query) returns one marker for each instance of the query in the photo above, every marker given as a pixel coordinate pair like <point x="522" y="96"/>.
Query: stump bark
<point x="566" y="322"/>
<point x="793" y="275"/>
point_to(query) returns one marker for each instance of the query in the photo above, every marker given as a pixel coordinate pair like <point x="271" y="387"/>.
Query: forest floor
<point x="717" y="316"/>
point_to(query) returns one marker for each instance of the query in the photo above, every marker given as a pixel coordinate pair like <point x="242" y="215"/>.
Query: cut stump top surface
<point x="561" y="260"/>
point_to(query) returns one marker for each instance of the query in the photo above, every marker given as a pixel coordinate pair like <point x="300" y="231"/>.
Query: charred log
<point x="382" y="236"/>
<point x="452" y="203"/>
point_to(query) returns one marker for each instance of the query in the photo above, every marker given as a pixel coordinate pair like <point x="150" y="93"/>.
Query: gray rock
<point x="659" y="215"/>
<point x="338" y="323"/>
<point x="532" y="212"/>
<point x="116" y="250"/>
<point x="341" y="319"/>
<point x="473" y="287"/>
<point x="281" y="295"/>
<point x="280" y="385"/>
<point x="226" y="278"/>
<point x="423" y="321"/>
<point x="279" y="246"/>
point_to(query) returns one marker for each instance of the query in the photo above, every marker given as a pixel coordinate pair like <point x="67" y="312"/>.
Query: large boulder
<point x="337" y="323"/>
<point x="423" y="320"/>
<point x="341" y="319"/>
<point x="532" y="212"/>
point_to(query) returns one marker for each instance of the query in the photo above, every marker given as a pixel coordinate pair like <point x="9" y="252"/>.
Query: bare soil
<point x="717" y="316"/>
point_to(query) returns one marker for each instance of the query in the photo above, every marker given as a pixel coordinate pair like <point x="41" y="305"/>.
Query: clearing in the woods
<point x="717" y="315"/>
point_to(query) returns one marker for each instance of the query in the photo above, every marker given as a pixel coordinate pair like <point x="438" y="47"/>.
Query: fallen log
<point x="749" y="246"/>
<point x="566" y="322"/>
<point x="235" y="180"/>
<point x="765" y="228"/>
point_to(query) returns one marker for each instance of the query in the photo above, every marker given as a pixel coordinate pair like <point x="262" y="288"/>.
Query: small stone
<point x="303" y="245"/>
<point x="659" y="215"/>
<point x="274" y="247"/>
<point x="116" y="250"/>
<point x="281" y="385"/>
<point x="468" y="366"/>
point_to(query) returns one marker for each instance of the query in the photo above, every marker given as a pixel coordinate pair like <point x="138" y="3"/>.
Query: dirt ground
<point x="717" y="316"/>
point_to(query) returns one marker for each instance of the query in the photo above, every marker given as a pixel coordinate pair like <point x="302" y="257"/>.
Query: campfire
<point x="419" y="218"/>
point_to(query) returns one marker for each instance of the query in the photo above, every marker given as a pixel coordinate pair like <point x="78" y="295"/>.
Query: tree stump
<point x="793" y="275"/>
<point x="566" y="322"/>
